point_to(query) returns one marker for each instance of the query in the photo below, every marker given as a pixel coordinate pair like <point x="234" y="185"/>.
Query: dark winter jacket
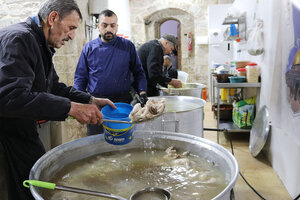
<point x="151" y="55"/>
<point x="29" y="91"/>
<point x="171" y="72"/>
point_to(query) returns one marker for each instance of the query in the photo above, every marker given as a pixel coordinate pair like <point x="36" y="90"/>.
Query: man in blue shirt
<point x="107" y="66"/>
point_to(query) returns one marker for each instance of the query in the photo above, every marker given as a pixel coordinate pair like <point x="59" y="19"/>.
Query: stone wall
<point x="192" y="14"/>
<point x="193" y="18"/>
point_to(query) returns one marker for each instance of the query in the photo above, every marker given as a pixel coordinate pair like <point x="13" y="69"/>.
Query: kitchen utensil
<point x="223" y="78"/>
<point x="259" y="131"/>
<point x="114" y="121"/>
<point x="188" y="89"/>
<point x="153" y="192"/>
<point x="71" y="153"/>
<point x="130" y="122"/>
<point x="241" y="64"/>
<point x="237" y="79"/>
<point x="178" y="110"/>
<point x="53" y="186"/>
<point x="158" y="193"/>
<point x="124" y="122"/>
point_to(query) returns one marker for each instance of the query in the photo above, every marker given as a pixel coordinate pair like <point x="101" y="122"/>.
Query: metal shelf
<point x="230" y="126"/>
<point x="236" y="85"/>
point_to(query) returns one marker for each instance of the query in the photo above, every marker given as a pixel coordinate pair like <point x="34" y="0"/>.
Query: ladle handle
<point x="41" y="184"/>
<point x="117" y="121"/>
<point x="109" y="120"/>
<point x="53" y="186"/>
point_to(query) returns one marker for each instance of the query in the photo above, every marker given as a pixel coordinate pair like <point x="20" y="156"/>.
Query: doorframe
<point x="158" y="25"/>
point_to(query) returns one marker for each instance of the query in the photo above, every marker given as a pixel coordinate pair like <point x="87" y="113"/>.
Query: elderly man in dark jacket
<point x="29" y="90"/>
<point x="151" y="55"/>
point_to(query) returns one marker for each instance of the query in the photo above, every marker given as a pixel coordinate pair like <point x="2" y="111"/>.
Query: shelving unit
<point x="241" y="25"/>
<point x="229" y="125"/>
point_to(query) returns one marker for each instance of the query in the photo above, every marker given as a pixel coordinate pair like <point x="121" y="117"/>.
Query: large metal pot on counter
<point x="188" y="89"/>
<point x="56" y="159"/>
<point x="182" y="114"/>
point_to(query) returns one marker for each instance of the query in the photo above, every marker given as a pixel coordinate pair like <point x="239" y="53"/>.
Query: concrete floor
<point x="257" y="171"/>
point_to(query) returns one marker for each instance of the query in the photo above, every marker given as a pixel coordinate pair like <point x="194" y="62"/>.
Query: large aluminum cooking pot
<point x="54" y="160"/>
<point x="188" y="89"/>
<point x="182" y="114"/>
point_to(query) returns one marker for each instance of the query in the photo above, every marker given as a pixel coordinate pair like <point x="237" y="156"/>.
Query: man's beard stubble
<point x="108" y="38"/>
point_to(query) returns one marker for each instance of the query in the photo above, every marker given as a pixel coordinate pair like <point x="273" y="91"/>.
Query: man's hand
<point x="86" y="113"/>
<point x="90" y="113"/>
<point x="143" y="99"/>
<point x="103" y="102"/>
<point x="175" y="83"/>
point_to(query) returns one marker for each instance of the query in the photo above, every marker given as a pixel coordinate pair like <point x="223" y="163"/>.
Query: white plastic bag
<point x="255" y="41"/>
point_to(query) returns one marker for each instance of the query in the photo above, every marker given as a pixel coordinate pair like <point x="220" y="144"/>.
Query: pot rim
<point x="200" y="87"/>
<point x="196" y="100"/>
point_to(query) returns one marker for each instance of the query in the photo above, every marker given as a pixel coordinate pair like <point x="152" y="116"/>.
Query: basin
<point x="183" y="114"/>
<point x="55" y="160"/>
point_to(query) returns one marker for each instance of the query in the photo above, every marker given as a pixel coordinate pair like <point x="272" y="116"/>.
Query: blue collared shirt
<point x="104" y="69"/>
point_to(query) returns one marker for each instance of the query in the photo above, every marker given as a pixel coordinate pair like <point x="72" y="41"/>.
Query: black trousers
<point x="3" y="175"/>
<point x="21" y="147"/>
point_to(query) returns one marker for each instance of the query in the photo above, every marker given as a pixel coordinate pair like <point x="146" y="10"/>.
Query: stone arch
<point x="186" y="20"/>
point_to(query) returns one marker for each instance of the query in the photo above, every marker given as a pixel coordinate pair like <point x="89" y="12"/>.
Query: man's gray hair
<point x="168" y="57"/>
<point x="62" y="7"/>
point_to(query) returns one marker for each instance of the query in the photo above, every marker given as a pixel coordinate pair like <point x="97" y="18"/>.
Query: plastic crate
<point x="225" y="112"/>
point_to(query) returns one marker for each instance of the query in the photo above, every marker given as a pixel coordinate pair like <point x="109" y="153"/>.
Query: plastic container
<point x="237" y="79"/>
<point x="204" y="94"/>
<point x="224" y="93"/>
<point x="223" y="78"/>
<point x="117" y="133"/>
<point x="252" y="73"/>
<point x="225" y="111"/>
<point x="241" y="72"/>
<point x="241" y="64"/>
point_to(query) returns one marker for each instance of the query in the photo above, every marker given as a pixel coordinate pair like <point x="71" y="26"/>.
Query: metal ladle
<point x="124" y="122"/>
<point x="132" y="122"/>
<point x="158" y="193"/>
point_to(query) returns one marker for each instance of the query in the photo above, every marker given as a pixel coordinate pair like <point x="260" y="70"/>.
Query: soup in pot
<point x="186" y="176"/>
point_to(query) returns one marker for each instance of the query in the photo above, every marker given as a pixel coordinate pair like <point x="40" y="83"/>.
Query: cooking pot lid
<point x="259" y="131"/>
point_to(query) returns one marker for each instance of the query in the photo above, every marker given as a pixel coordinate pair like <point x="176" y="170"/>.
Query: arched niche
<point x="186" y="20"/>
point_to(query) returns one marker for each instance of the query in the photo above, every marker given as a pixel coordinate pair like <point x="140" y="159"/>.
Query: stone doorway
<point x="186" y="20"/>
<point x="173" y="27"/>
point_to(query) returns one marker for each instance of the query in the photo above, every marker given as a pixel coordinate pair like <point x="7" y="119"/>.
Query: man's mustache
<point x="109" y="33"/>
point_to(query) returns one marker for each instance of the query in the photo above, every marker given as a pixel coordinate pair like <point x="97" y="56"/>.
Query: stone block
<point x="8" y="21"/>
<point x="69" y="130"/>
<point x="13" y="1"/>
<point x="65" y="64"/>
